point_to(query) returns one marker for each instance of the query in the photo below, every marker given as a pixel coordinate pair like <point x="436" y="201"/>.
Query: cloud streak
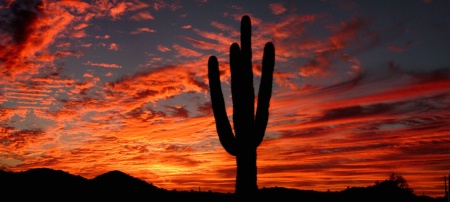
<point x="105" y="65"/>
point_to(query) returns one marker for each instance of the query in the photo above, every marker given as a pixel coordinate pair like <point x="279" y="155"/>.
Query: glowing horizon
<point x="361" y="90"/>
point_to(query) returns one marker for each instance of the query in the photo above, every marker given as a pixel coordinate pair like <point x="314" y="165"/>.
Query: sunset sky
<point x="361" y="90"/>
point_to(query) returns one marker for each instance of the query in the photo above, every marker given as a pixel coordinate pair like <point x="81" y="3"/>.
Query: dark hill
<point x="42" y="182"/>
<point x="117" y="183"/>
<point x="56" y="185"/>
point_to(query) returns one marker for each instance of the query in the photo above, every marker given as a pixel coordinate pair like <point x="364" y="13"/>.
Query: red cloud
<point x="163" y="48"/>
<point x="277" y="8"/>
<point x="161" y="4"/>
<point x="143" y="29"/>
<point x="224" y="27"/>
<point x="318" y="66"/>
<point x="221" y="48"/>
<point x="79" y="6"/>
<point x="401" y="48"/>
<point x="145" y="15"/>
<point x="395" y="48"/>
<point x="136" y="5"/>
<point x="185" y="52"/>
<point x="102" y="37"/>
<point x="63" y="45"/>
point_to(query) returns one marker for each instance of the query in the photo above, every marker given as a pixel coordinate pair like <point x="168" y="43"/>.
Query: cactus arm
<point x="265" y="92"/>
<point x="246" y="42"/>
<point x="242" y="86"/>
<point x="223" y="126"/>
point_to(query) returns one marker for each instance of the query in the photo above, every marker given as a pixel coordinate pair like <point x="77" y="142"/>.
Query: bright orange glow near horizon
<point x="361" y="90"/>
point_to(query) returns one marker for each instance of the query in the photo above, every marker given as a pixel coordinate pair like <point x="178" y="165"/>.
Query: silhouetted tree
<point x="395" y="181"/>
<point x="399" y="181"/>
<point x="248" y="129"/>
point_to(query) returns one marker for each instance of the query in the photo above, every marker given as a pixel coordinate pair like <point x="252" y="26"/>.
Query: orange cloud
<point x="118" y="9"/>
<point x="186" y="27"/>
<point x="113" y="46"/>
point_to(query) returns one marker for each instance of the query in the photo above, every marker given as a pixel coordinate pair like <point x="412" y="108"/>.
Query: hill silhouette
<point x="117" y="183"/>
<point x="51" y="185"/>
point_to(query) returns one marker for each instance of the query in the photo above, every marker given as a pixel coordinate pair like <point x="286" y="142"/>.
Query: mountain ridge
<point x="47" y="183"/>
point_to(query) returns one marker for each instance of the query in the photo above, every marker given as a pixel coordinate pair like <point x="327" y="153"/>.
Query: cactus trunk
<point x="246" y="176"/>
<point x="248" y="129"/>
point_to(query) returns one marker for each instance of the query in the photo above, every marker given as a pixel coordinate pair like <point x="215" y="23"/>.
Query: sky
<point x="361" y="90"/>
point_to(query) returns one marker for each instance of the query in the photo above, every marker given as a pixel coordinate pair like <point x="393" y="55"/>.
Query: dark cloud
<point x="145" y="93"/>
<point x="17" y="24"/>
<point x="205" y="108"/>
<point x="19" y="18"/>
<point x="179" y="111"/>
<point x="353" y="112"/>
<point x="144" y="114"/>
<point x="17" y="139"/>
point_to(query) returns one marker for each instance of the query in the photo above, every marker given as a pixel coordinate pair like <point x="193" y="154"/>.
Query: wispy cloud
<point x="142" y="30"/>
<point x="103" y="37"/>
<point x="277" y="8"/>
<point x="105" y="65"/>
<point x="186" y="27"/>
<point x="162" y="48"/>
<point x="113" y="46"/>
<point x="161" y="4"/>
<point x="185" y="52"/>
<point x="144" y="15"/>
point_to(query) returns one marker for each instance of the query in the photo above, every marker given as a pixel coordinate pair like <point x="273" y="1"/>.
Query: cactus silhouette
<point x="248" y="129"/>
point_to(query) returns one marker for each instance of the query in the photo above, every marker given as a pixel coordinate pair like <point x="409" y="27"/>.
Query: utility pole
<point x="445" y="187"/>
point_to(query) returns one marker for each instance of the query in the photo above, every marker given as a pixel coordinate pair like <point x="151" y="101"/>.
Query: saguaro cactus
<point x="248" y="129"/>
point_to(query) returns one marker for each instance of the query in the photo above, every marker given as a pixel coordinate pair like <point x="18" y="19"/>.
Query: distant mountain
<point x="42" y="181"/>
<point x="57" y="185"/>
<point x="117" y="183"/>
